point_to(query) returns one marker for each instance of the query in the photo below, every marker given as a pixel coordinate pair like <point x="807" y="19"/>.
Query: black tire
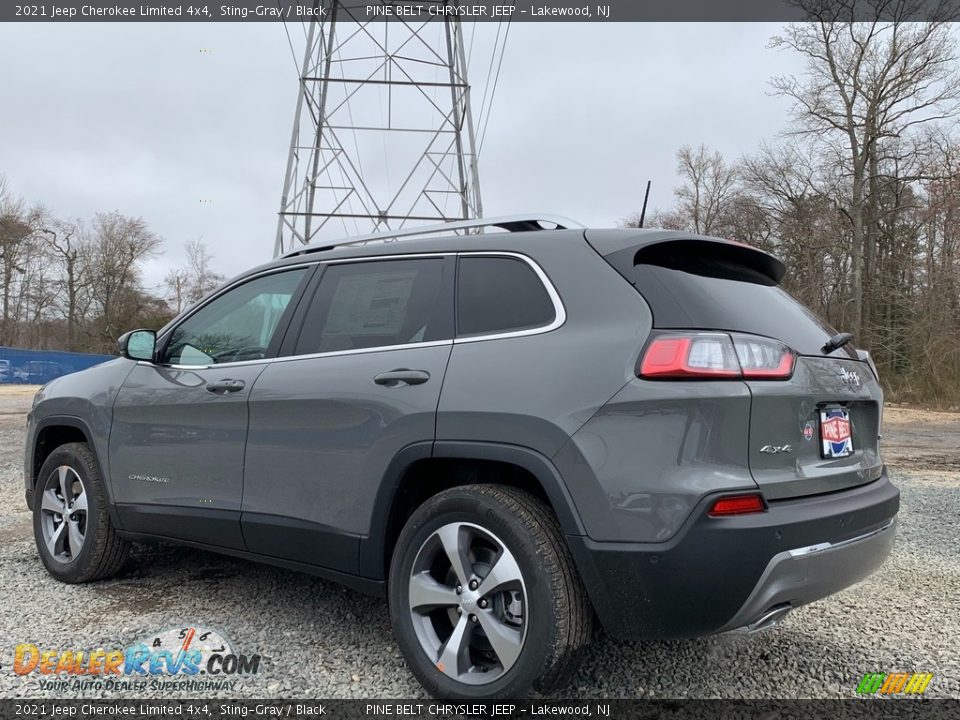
<point x="102" y="552"/>
<point x="557" y="615"/>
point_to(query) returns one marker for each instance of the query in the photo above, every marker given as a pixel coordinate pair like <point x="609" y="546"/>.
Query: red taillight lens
<point x="737" y="505"/>
<point x="762" y="357"/>
<point x="693" y="355"/>
<point x="716" y="355"/>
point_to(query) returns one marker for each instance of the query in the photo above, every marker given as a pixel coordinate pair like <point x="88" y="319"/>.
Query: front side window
<point x="377" y="304"/>
<point x="498" y="295"/>
<point x="235" y="326"/>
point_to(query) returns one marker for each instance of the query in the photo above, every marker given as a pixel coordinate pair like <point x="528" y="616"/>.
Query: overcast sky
<point x="135" y="118"/>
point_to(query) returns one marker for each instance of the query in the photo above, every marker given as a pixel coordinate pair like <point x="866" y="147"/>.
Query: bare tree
<point x="705" y="199"/>
<point x="195" y="279"/>
<point x="177" y="282"/>
<point x="71" y="252"/>
<point x="15" y="235"/>
<point x="119" y="245"/>
<point x="203" y="278"/>
<point x="708" y="187"/>
<point x="866" y="81"/>
<point x="76" y="285"/>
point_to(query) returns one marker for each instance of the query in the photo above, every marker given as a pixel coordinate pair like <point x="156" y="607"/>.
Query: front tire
<point x="484" y="596"/>
<point x="71" y="523"/>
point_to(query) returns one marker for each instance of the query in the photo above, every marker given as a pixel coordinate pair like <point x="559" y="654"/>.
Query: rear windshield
<point x="701" y="293"/>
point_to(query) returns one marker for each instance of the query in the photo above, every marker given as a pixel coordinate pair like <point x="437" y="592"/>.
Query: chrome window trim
<point x="560" y="315"/>
<point x="308" y="356"/>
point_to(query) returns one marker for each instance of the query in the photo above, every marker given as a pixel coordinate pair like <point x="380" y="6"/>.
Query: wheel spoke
<point x="504" y="572"/>
<point x="453" y="654"/>
<point x="64" y="483"/>
<point x="425" y="592"/>
<point x="75" y="536"/>
<point x="51" y="503"/>
<point x="452" y="538"/>
<point x="505" y="640"/>
<point x="81" y="502"/>
<point x="55" y="543"/>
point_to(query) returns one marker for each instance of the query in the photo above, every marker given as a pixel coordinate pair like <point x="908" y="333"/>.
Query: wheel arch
<point x="54" y="431"/>
<point x="421" y="470"/>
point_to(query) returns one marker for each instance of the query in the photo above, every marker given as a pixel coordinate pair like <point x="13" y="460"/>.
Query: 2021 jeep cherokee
<point x="504" y="433"/>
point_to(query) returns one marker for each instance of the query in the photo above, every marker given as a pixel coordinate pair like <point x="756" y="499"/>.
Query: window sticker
<point x="370" y="304"/>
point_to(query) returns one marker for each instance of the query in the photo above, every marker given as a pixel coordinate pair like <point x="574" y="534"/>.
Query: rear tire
<point x="522" y="590"/>
<point x="71" y="522"/>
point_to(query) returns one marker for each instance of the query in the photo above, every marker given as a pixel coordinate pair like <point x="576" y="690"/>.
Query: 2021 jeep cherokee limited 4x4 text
<point x="505" y="433"/>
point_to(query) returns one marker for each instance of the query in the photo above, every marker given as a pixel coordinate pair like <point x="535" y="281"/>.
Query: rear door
<point x="360" y="382"/>
<point x="817" y="431"/>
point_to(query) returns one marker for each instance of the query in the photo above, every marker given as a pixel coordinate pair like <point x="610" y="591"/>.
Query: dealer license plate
<point x="836" y="434"/>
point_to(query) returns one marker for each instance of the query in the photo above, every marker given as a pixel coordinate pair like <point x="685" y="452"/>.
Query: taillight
<point x="695" y="355"/>
<point x="716" y="355"/>
<point x="762" y="357"/>
<point x="737" y="505"/>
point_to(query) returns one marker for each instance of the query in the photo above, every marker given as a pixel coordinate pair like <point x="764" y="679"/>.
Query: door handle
<point x="222" y="387"/>
<point x="401" y="376"/>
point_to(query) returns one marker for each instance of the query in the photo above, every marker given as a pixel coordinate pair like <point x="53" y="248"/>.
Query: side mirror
<point x="138" y="344"/>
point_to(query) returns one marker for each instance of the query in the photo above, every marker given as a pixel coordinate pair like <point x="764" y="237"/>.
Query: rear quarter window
<point x="500" y="294"/>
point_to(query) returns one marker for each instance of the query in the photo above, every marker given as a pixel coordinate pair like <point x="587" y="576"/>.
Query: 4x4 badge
<point x="776" y="449"/>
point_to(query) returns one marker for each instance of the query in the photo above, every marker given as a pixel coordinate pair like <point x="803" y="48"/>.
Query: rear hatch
<point x="814" y="432"/>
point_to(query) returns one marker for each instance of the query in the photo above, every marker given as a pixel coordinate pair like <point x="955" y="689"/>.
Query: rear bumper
<point x="719" y="574"/>
<point x="800" y="576"/>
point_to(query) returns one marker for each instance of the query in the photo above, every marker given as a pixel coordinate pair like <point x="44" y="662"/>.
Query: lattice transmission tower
<point x="383" y="134"/>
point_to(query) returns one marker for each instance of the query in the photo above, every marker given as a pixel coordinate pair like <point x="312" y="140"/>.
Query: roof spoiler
<point x="701" y="255"/>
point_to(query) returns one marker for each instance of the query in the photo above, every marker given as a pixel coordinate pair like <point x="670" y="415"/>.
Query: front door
<point x="180" y="424"/>
<point x="362" y="383"/>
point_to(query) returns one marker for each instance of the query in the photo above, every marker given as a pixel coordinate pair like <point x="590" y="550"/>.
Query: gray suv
<point x="506" y="433"/>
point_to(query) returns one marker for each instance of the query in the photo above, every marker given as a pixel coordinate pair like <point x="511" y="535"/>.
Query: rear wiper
<point x="837" y="341"/>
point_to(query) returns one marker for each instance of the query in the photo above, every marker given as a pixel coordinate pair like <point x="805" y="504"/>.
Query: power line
<point x="496" y="80"/>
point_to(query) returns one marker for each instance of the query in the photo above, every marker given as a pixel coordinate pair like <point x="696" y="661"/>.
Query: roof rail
<point x="510" y="223"/>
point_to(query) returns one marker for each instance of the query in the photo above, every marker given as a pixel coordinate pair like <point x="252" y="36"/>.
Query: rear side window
<point x="500" y="294"/>
<point x="706" y="286"/>
<point x="377" y="304"/>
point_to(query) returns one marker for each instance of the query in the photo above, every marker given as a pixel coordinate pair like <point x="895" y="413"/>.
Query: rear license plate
<point x="836" y="435"/>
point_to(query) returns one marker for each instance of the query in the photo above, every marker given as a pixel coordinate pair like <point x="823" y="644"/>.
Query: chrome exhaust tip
<point x="769" y="620"/>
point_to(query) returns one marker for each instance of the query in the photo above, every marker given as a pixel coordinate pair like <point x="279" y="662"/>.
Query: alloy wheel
<point x="63" y="514"/>
<point x="468" y="603"/>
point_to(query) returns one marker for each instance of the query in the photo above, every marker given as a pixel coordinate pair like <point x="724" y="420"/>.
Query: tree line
<point x="78" y="284"/>
<point x="859" y="195"/>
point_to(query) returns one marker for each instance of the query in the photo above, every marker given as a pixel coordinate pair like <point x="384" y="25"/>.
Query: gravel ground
<point x="324" y="641"/>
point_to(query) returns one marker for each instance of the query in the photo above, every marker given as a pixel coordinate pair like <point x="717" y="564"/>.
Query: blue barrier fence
<point x="36" y="367"/>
